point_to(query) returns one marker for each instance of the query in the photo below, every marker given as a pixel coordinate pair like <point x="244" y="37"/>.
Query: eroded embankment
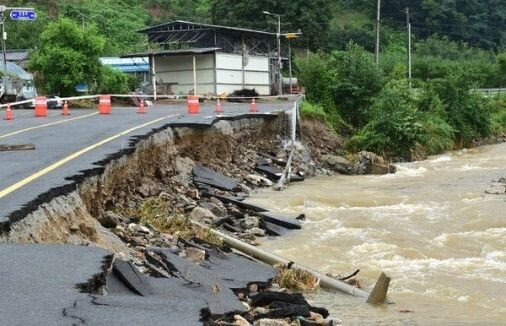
<point x="158" y="163"/>
<point x="137" y="206"/>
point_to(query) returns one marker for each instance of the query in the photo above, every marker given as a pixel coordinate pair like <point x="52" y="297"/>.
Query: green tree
<point x="357" y="82"/>
<point x="68" y="55"/>
<point x="501" y="69"/>
<point x="311" y="17"/>
<point x="113" y="81"/>
<point x="467" y="112"/>
<point x="117" y="20"/>
<point x="315" y="73"/>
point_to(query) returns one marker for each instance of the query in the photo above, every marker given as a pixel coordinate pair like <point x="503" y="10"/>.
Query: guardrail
<point x="161" y="97"/>
<point x="490" y="91"/>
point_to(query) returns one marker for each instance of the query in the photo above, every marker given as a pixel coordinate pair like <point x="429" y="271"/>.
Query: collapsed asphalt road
<point x="65" y="285"/>
<point x="87" y="285"/>
<point x="67" y="145"/>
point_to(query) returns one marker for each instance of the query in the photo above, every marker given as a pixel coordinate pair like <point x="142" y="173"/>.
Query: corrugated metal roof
<point x="165" y="53"/>
<point x="15" y="70"/>
<point x="124" y="61"/>
<point x="135" y="64"/>
<point x="132" y="68"/>
<point x="237" y="29"/>
<point x="16" y="55"/>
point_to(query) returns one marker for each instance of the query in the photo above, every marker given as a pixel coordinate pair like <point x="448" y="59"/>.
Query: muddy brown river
<point x="431" y="227"/>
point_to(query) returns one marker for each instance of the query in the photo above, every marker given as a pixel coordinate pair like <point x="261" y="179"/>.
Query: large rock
<point x="250" y="222"/>
<point x="259" y="181"/>
<point x="376" y="168"/>
<point x="336" y="163"/>
<point x="201" y="214"/>
<point x="218" y="210"/>
<point x="110" y="219"/>
<point x="183" y="167"/>
<point x="497" y="188"/>
<point x="370" y="163"/>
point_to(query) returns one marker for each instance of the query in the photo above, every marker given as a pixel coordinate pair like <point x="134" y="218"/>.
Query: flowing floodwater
<point x="431" y="227"/>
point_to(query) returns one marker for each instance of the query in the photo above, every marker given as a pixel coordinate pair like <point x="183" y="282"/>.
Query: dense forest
<point x="326" y="24"/>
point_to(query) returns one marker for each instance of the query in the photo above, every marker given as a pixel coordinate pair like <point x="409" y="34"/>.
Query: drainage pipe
<point x="272" y="259"/>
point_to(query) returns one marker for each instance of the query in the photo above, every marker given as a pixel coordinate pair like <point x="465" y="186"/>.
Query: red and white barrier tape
<point x="158" y="97"/>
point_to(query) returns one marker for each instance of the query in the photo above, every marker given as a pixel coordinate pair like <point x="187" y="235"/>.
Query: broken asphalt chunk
<point x="132" y="277"/>
<point x="281" y="220"/>
<point x="202" y="174"/>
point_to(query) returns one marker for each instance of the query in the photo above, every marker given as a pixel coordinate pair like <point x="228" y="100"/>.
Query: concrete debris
<point x="134" y="280"/>
<point x="259" y="181"/>
<point x="202" y="214"/>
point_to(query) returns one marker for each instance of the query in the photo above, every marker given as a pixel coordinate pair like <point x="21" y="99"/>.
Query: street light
<point x="278" y="35"/>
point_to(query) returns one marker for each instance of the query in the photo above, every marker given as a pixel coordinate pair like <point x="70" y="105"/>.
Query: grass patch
<point x="296" y="279"/>
<point x="180" y="227"/>
<point x="155" y="213"/>
<point x="313" y="112"/>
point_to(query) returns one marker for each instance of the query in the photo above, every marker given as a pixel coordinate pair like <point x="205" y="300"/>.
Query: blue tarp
<point x="15" y="70"/>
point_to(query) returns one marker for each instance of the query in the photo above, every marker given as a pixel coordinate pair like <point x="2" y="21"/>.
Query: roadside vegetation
<point x="382" y="113"/>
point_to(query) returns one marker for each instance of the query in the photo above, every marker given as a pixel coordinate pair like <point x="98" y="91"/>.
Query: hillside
<point x="326" y="24"/>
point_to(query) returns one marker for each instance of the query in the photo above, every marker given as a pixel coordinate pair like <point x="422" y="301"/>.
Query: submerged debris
<point x="296" y="279"/>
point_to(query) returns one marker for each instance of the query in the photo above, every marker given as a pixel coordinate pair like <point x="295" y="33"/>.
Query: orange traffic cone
<point x="253" y="106"/>
<point x="8" y="113"/>
<point x="142" y="108"/>
<point x="66" y="110"/>
<point x="218" y="107"/>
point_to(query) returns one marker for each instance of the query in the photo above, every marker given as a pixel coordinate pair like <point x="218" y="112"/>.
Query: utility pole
<point x="279" y="57"/>
<point x="409" y="45"/>
<point x="378" y="17"/>
<point x="280" y="84"/>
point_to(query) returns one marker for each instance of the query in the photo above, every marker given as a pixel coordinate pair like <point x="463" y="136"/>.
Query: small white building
<point x="207" y="59"/>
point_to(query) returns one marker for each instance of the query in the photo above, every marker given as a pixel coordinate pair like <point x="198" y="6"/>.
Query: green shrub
<point x="498" y="119"/>
<point x="314" y="73"/>
<point x="401" y="122"/>
<point x="313" y="112"/>
<point x="113" y="81"/>
<point x="332" y="119"/>
<point x="395" y="125"/>
<point x="498" y="122"/>
<point x="438" y="135"/>
<point x="344" y="82"/>
<point x="357" y="81"/>
<point x="468" y="113"/>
